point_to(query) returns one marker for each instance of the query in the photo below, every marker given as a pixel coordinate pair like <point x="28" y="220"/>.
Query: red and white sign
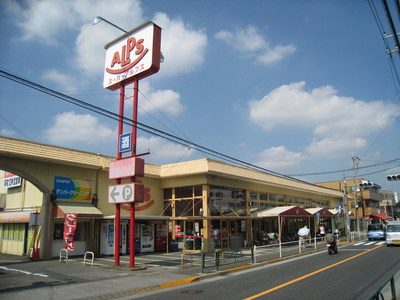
<point x="126" y="167"/>
<point x="11" y="180"/>
<point x="69" y="230"/>
<point x="133" y="56"/>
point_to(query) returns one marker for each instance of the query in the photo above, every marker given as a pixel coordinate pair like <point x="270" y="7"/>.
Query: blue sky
<point x="297" y="87"/>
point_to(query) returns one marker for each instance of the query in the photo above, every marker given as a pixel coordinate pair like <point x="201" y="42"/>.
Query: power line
<point x="140" y="126"/>
<point x="350" y="169"/>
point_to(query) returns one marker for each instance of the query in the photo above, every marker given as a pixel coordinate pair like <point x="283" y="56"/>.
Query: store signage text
<point x="11" y="180"/>
<point x="132" y="56"/>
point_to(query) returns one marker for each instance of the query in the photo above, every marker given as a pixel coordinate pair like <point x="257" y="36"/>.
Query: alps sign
<point x="132" y="56"/>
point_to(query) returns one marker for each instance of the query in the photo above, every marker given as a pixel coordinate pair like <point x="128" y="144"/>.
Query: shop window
<point x="198" y="190"/>
<point x="183" y="208"/>
<point x="58" y="231"/>
<point x="198" y="206"/>
<point x="14" y="231"/>
<point x="253" y="196"/>
<point x="215" y="207"/>
<point x="184" y="192"/>
<point x="263" y="197"/>
<point x="79" y="233"/>
<point x="227" y="206"/>
<point x="167" y="194"/>
<point x="290" y="200"/>
<point x="254" y="206"/>
<point x="280" y="199"/>
<point x="167" y="208"/>
<point x="263" y="205"/>
<point x="272" y="198"/>
<point x="6" y="231"/>
<point x="240" y="208"/>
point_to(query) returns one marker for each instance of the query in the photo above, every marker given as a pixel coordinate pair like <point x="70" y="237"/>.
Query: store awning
<point x="290" y="211"/>
<point x="139" y="217"/>
<point x="323" y="212"/>
<point x="15" y="216"/>
<point x="333" y="211"/>
<point x="82" y="209"/>
<point x="378" y="216"/>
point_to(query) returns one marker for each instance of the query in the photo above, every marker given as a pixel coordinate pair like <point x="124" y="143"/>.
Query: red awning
<point x="379" y="216"/>
<point x="283" y="211"/>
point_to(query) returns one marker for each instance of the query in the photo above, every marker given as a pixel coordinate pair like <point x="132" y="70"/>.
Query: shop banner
<point x="69" y="230"/>
<point x="73" y="189"/>
<point x="10" y="180"/>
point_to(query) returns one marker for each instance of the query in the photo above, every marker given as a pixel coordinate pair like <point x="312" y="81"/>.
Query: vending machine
<point x="137" y="237"/>
<point x="107" y="233"/>
<point x="161" y="237"/>
<point x="147" y="238"/>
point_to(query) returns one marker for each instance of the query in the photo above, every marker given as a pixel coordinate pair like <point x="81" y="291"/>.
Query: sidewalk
<point x="104" y="280"/>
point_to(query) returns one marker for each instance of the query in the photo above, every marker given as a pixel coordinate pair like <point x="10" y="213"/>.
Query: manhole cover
<point x="191" y="292"/>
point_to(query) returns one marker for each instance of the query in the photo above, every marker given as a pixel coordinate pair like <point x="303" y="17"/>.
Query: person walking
<point x="322" y="232"/>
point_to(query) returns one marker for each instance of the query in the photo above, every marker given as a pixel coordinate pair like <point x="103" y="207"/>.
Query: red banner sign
<point x="69" y="230"/>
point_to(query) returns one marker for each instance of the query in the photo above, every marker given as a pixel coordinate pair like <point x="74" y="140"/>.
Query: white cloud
<point x="162" y="151"/>
<point x="89" y="45"/>
<point x="166" y="101"/>
<point x="273" y="55"/>
<point x="183" y="48"/>
<point x="251" y="43"/>
<point x="338" y="124"/>
<point x="66" y="81"/>
<point x="279" y="158"/>
<point x="42" y="19"/>
<point x="70" y="127"/>
<point x="322" y="110"/>
<point x="7" y="132"/>
<point x="334" y="146"/>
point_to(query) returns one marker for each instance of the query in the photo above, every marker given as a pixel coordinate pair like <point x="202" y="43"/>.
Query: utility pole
<point x="346" y="209"/>
<point x="356" y="160"/>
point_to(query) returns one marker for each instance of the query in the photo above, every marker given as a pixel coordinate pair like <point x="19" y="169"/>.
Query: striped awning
<point x="83" y="210"/>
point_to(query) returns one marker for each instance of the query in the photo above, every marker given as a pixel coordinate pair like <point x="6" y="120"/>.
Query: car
<point x="376" y="231"/>
<point x="393" y="234"/>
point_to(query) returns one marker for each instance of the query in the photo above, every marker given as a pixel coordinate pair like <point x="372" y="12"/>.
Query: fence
<point x="279" y="250"/>
<point x="388" y="290"/>
<point x="214" y="261"/>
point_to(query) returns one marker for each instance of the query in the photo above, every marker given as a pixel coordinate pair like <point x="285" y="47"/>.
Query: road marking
<point x="309" y="275"/>
<point x="359" y="243"/>
<point x="24" y="272"/>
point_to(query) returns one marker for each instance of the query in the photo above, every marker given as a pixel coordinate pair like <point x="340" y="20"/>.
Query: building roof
<point x="49" y="153"/>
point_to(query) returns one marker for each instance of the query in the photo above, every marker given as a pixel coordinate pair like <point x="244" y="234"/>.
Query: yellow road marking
<point x="309" y="275"/>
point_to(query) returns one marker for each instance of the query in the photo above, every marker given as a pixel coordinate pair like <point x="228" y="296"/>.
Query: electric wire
<point x="140" y="126"/>
<point x="350" y="169"/>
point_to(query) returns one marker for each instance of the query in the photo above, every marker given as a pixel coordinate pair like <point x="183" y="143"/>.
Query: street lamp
<point x="98" y="19"/>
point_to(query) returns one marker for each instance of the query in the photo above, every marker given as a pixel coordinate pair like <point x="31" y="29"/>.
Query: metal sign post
<point x="130" y="57"/>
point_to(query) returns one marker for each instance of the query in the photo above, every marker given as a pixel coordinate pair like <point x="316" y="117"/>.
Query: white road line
<point x="370" y="243"/>
<point x="24" y="272"/>
<point x="359" y="243"/>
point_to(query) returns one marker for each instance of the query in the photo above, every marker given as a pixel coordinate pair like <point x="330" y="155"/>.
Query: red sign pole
<point x="117" y="222"/>
<point x="134" y="142"/>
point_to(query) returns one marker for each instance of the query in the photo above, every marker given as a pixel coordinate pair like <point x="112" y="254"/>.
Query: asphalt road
<point x="356" y="272"/>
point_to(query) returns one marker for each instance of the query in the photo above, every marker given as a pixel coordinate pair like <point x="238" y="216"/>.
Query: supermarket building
<point x="200" y="205"/>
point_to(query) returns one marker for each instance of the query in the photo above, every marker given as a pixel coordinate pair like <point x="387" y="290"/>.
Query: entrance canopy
<point x="283" y="211"/>
<point x="323" y="212"/>
<point x="15" y="217"/>
<point x="378" y="216"/>
<point x="82" y="209"/>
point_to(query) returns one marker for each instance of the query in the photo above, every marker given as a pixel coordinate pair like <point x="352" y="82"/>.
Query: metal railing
<point x="388" y="290"/>
<point x="287" y="248"/>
